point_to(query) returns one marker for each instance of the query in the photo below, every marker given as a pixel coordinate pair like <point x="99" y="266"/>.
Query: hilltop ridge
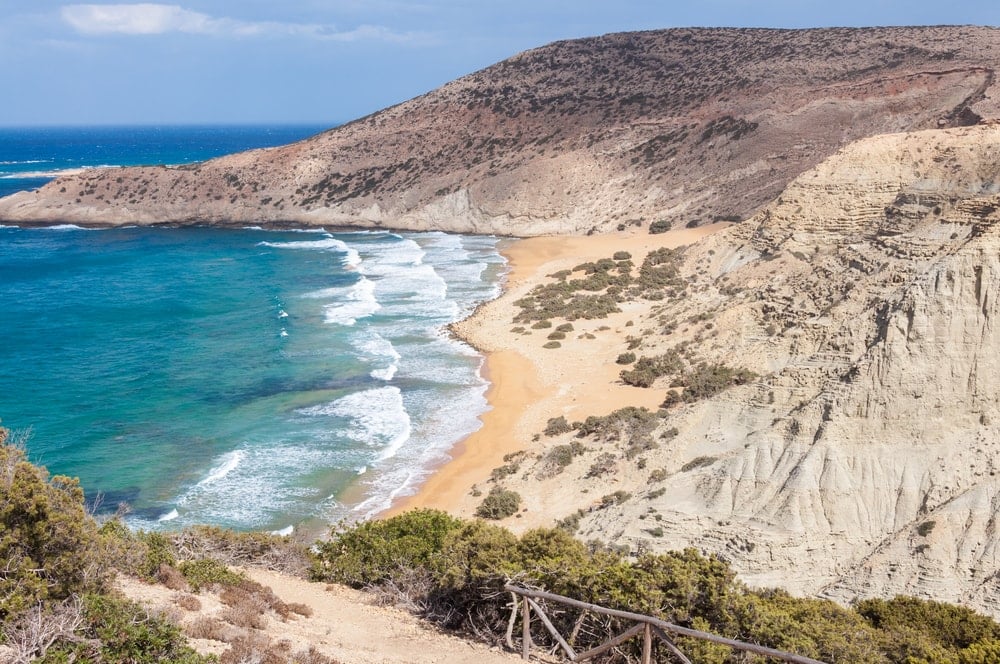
<point x="686" y="126"/>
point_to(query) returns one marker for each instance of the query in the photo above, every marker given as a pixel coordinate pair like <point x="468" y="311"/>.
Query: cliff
<point x="686" y="126"/>
<point x="863" y="460"/>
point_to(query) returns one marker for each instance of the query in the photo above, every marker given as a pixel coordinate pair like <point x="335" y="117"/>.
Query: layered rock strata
<point x="864" y="460"/>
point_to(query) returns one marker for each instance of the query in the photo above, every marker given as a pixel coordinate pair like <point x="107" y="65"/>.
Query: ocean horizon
<point x="245" y="378"/>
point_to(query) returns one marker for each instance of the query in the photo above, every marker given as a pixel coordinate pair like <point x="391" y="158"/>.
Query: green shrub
<point x="499" y="503"/>
<point x="616" y="498"/>
<point x="557" y="335"/>
<point x="622" y="256"/>
<point x="49" y="547"/>
<point x="561" y="456"/>
<point x="625" y="358"/>
<point x="556" y="426"/>
<point x="376" y="551"/>
<point x="117" y="630"/>
<point x="925" y="528"/>
<point x="552" y="344"/>
<point x="706" y="380"/>
<point x="565" y="327"/>
<point x="463" y="572"/>
<point x="659" y="226"/>
<point x="698" y="462"/>
<point x="207" y="572"/>
<point x="542" y="324"/>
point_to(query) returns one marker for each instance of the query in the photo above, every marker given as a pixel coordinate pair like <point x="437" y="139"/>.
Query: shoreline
<point x="530" y="384"/>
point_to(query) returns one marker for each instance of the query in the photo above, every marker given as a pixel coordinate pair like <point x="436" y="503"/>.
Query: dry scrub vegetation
<point x="58" y="606"/>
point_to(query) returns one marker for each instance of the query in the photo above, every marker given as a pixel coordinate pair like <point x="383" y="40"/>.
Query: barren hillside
<point x="686" y="125"/>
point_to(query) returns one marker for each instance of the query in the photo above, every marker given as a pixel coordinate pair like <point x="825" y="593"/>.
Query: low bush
<point x="207" y="572"/>
<point x="117" y="630"/>
<point x="499" y="503"/>
<point x="557" y="425"/>
<point x="467" y="567"/>
<point x="625" y="358"/>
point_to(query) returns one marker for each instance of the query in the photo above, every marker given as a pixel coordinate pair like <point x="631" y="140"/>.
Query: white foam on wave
<point x="374" y="348"/>
<point x="354" y="302"/>
<point x="376" y="418"/>
<point x="65" y="227"/>
<point x="25" y="161"/>
<point x="169" y="516"/>
<point x="385" y="373"/>
<point x="283" y="333"/>
<point x="53" y="173"/>
<point x="284" y="532"/>
<point x="260" y="487"/>
<point x="442" y="420"/>
<point x="351" y="257"/>
<point x="282" y="313"/>
<point x="228" y="463"/>
<point x="403" y="276"/>
<point x="286" y="230"/>
<point x="25" y="175"/>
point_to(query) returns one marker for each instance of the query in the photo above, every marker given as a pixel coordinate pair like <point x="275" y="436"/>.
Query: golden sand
<point x="529" y="383"/>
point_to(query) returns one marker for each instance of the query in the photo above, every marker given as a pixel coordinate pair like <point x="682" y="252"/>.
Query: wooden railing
<point x="646" y="626"/>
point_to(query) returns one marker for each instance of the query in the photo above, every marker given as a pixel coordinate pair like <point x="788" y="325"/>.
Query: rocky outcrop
<point x="687" y="126"/>
<point x="865" y="459"/>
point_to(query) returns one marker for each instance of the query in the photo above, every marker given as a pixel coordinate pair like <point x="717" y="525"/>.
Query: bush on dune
<point x="462" y="567"/>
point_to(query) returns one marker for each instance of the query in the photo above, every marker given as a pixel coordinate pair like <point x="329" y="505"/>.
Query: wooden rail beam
<point x="663" y="625"/>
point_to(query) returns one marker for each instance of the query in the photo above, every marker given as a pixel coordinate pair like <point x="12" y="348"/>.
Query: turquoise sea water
<point x="243" y="378"/>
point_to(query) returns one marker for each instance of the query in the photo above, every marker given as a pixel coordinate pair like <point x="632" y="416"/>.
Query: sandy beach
<point x="530" y="383"/>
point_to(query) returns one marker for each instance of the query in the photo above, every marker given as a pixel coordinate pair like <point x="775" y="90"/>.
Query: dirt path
<point x="344" y="625"/>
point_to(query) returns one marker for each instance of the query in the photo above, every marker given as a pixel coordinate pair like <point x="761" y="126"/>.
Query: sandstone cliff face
<point x="864" y="460"/>
<point x="684" y="125"/>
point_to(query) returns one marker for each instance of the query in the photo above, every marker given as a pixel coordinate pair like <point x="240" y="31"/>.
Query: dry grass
<point x="300" y="609"/>
<point x="187" y="601"/>
<point x="172" y="578"/>
<point x="207" y="627"/>
<point x="260" y="649"/>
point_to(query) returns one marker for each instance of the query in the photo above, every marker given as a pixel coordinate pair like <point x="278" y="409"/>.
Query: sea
<point x="253" y="379"/>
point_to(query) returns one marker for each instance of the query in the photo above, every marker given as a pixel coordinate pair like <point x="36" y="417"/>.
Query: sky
<point x="329" y="61"/>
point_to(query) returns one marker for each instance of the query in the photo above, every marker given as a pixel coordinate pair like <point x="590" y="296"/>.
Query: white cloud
<point x="156" y="19"/>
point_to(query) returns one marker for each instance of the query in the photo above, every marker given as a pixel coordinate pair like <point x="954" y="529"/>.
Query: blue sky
<point x="328" y="61"/>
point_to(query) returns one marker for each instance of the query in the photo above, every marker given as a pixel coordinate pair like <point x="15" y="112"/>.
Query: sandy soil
<point x="531" y="384"/>
<point x="344" y="624"/>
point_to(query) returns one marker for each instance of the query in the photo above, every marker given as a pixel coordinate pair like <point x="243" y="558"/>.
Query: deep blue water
<point x="240" y="377"/>
<point x="32" y="156"/>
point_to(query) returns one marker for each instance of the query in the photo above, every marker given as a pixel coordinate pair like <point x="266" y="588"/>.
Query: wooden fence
<point x="647" y="627"/>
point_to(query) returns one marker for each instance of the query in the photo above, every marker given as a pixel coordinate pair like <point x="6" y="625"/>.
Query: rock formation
<point x="864" y="459"/>
<point x="686" y="125"/>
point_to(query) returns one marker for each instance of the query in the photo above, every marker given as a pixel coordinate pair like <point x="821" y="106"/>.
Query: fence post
<point x="647" y="644"/>
<point x="525" y="629"/>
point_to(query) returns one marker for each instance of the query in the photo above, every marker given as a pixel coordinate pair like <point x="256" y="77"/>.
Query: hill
<point x="685" y="126"/>
<point x="821" y="381"/>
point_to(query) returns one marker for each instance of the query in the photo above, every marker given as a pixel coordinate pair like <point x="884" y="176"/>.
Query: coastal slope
<point x="860" y="456"/>
<point x="683" y="126"/>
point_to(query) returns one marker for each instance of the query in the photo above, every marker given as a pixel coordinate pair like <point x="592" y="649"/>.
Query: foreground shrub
<point x="117" y="630"/>
<point x="49" y="546"/>
<point x="373" y="552"/>
<point x="463" y="566"/>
